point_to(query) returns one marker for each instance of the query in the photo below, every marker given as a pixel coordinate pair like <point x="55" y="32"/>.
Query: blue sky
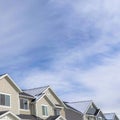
<point x="73" y="46"/>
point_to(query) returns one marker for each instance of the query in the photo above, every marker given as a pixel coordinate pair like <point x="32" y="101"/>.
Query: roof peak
<point x="36" y="88"/>
<point x="110" y="113"/>
<point x="80" y="101"/>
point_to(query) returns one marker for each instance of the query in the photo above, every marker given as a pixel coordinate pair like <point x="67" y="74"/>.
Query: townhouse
<point x="43" y="104"/>
<point x="111" y="116"/>
<point x="88" y="109"/>
<point x="31" y="104"/>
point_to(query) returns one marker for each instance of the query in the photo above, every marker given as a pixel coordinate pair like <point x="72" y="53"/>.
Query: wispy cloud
<point x="71" y="45"/>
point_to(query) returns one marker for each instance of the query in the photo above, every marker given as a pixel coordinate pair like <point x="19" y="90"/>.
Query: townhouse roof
<point x="109" y="116"/>
<point x="80" y="106"/>
<point x="23" y="94"/>
<point x="3" y="112"/>
<point x="68" y="106"/>
<point x="52" y="117"/>
<point x="29" y="117"/>
<point x="36" y="92"/>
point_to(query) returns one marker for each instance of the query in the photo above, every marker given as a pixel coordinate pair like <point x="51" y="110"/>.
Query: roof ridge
<point x="80" y="101"/>
<point x="110" y="113"/>
<point x="36" y="88"/>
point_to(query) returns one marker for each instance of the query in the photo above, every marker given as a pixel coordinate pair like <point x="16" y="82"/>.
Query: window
<point x="24" y="104"/>
<point x="4" y="100"/>
<point x="57" y="112"/>
<point x="44" y="110"/>
<point x="99" y="118"/>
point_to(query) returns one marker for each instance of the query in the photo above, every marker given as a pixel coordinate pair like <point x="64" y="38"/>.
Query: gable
<point x="9" y="80"/>
<point x="6" y="87"/>
<point x="53" y="97"/>
<point x="116" y="118"/>
<point x="100" y="114"/>
<point x="9" y="116"/>
<point x="92" y="110"/>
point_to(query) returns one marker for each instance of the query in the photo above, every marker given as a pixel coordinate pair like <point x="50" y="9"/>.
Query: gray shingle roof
<point x="36" y="92"/>
<point x="80" y="106"/>
<point x="29" y="117"/>
<point x="109" y="116"/>
<point x="52" y="117"/>
<point x="26" y="95"/>
<point x="3" y="112"/>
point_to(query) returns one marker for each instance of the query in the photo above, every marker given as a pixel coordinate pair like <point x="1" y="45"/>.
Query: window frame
<point x="57" y="111"/>
<point x="46" y="106"/>
<point x="6" y="94"/>
<point x="23" y="104"/>
<point x="100" y="118"/>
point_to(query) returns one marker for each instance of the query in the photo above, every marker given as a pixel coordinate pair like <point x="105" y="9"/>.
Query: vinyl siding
<point x="39" y="104"/>
<point x="52" y="97"/>
<point x="6" y="87"/>
<point x="54" y="100"/>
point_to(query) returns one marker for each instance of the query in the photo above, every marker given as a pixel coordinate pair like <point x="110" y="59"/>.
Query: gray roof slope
<point x="26" y="95"/>
<point x="52" y="117"/>
<point x="36" y="92"/>
<point x="29" y="117"/>
<point x="73" y="108"/>
<point x="109" y="115"/>
<point x="3" y="112"/>
<point x="80" y="106"/>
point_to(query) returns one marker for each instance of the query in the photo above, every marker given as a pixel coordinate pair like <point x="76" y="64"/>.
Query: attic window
<point x="4" y="100"/>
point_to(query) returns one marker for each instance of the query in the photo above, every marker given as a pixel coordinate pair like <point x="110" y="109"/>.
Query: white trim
<point x="58" y="107"/>
<point x="88" y="107"/>
<point x="90" y="115"/>
<point x="36" y="109"/>
<point x="6" y="75"/>
<point x="57" y="97"/>
<point x="5" y="93"/>
<point x="40" y="98"/>
<point x="5" y="106"/>
<point x="60" y="117"/>
<point x="24" y="110"/>
<point x="18" y="105"/>
<point x="26" y="96"/>
<point x="11" y="114"/>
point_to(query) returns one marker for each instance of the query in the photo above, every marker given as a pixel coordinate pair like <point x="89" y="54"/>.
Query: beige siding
<point x="27" y="112"/>
<point x="52" y="97"/>
<point x="63" y="112"/>
<point x="44" y="101"/>
<point x="39" y="104"/>
<point x="54" y="100"/>
<point x="6" y="87"/>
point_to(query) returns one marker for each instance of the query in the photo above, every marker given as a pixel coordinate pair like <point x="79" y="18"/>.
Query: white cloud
<point x="100" y="83"/>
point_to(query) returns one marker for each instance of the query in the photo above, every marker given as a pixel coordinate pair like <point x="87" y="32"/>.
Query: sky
<point x="71" y="45"/>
